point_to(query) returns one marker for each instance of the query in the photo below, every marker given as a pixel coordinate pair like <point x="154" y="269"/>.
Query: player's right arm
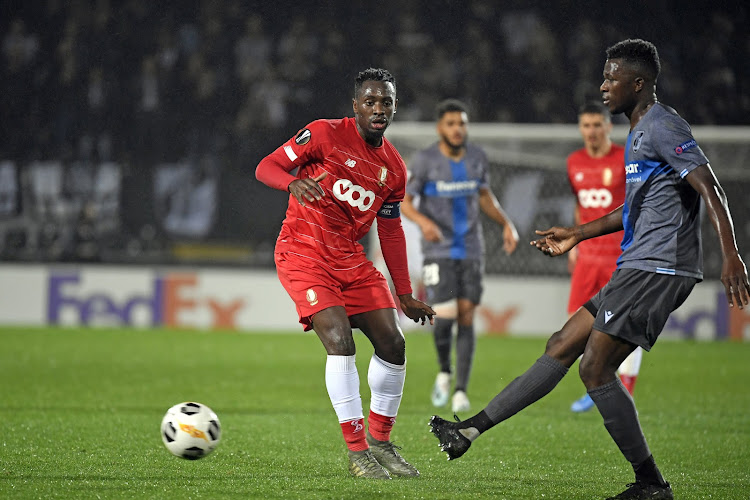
<point x="274" y="170"/>
<point x="559" y="240"/>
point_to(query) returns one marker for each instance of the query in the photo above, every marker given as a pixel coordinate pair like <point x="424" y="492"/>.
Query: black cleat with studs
<point x="452" y="442"/>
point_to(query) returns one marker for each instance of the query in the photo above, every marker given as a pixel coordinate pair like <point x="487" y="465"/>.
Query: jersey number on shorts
<point x="431" y="274"/>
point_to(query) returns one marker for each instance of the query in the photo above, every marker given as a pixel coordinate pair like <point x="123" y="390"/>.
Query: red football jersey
<point x="599" y="186"/>
<point x="360" y="179"/>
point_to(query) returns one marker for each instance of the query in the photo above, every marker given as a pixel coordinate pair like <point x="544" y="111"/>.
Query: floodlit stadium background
<point x="131" y="131"/>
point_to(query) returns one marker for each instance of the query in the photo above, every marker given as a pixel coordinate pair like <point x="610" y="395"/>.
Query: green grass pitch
<point x="80" y="413"/>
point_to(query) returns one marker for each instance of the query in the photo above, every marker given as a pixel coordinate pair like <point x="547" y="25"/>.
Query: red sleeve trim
<point x="393" y="246"/>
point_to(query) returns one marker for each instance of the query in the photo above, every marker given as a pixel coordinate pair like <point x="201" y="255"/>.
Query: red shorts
<point x="589" y="276"/>
<point x="313" y="286"/>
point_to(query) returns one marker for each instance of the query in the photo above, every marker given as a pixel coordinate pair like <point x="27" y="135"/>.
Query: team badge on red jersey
<point x="302" y="137"/>
<point x="382" y="176"/>
<point x="607" y="176"/>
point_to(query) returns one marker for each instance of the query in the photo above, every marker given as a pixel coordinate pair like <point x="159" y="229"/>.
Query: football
<point x="190" y="430"/>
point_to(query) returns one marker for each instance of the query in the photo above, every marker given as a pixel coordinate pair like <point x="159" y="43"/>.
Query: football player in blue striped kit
<point x="668" y="178"/>
<point x="451" y="181"/>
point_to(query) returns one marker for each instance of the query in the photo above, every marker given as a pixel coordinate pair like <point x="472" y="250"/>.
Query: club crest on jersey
<point x="637" y="140"/>
<point x="302" y="137"/>
<point x="607" y="176"/>
<point x="311" y="296"/>
<point x="382" y="176"/>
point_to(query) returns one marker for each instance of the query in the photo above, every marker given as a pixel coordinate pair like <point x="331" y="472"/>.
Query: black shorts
<point x="448" y="279"/>
<point x="635" y="304"/>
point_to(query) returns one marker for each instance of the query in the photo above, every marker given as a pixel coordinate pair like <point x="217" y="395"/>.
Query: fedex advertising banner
<point x="255" y="301"/>
<point x="144" y="297"/>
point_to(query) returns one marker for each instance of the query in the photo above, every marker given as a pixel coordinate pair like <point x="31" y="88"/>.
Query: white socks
<point x="386" y="385"/>
<point x="386" y="382"/>
<point x="342" y="382"/>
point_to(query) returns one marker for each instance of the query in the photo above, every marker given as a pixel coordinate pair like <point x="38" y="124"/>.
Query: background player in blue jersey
<point x="667" y="176"/>
<point x="451" y="181"/>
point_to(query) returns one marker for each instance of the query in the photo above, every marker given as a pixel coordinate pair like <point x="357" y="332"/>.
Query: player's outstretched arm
<point x="733" y="270"/>
<point x="559" y="240"/>
<point x="556" y="240"/>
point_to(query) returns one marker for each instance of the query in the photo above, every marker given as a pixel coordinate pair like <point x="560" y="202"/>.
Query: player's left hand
<point x="416" y="309"/>
<point x="734" y="278"/>
<point x="510" y="238"/>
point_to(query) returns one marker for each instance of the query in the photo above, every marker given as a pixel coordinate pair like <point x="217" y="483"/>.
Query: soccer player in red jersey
<point x="597" y="177"/>
<point x="348" y="174"/>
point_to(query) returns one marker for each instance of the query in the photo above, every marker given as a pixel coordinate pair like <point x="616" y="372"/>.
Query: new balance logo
<point x="350" y="163"/>
<point x="608" y="316"/>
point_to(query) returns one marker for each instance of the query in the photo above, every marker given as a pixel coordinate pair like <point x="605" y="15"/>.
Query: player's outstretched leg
<point x="532" y="385"/>
<point x="452" y="438"/>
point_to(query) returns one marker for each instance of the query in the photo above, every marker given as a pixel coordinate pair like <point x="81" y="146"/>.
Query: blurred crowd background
<point x="154" y="96"/>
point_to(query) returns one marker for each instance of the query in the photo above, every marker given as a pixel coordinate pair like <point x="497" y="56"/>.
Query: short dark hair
<point x="640" y="52"/>
<point x="595" y="108"/>
<point x="449" y="106"/>
<point x="375" y="74"/>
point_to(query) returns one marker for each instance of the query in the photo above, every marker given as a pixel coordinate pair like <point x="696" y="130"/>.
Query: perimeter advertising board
<point x="254" y="300"/>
